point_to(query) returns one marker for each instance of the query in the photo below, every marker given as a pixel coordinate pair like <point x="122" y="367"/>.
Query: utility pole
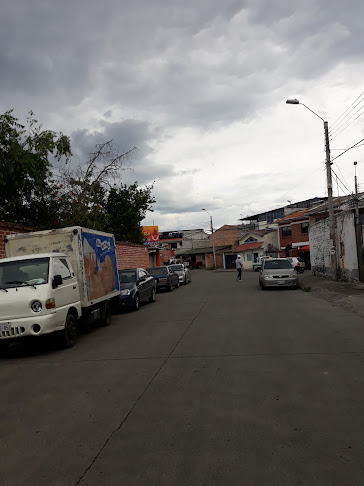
<point x="212" y="237"/>
<point x="358" y="231"/>
<point x="213" y="242"/>
<point x="333" y="255"/>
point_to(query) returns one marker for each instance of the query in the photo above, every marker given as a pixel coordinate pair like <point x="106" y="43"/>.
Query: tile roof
<point x="296" y="215"/>
<point x="249" y="246"/>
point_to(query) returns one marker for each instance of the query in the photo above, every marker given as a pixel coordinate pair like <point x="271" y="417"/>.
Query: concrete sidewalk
<point x="346" y="295"/>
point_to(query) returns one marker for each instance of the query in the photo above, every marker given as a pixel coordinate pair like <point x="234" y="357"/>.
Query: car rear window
<point x="128" y="276"/>
<point x="276" y="264"/>
<point x="158" y="271"/>
<point x="176" y="267"/>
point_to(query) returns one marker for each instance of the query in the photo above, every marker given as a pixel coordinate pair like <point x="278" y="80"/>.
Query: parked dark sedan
<point x="136" y="285"/>
<point x="165" y="277"/>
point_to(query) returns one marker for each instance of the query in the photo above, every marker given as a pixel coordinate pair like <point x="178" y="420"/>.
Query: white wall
<point x="319" y="236"/>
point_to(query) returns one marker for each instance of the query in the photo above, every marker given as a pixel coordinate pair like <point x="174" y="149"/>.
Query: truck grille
<point x="15" y="331"/>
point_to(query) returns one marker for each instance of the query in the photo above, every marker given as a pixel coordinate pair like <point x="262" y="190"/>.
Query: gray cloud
<point x="143" y="72"/>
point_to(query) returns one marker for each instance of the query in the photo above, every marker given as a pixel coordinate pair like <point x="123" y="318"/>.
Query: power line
<point x="347" y="150"/>
<point x="341" y="182"/>
<point x="335" y="132"/>
<point x="337" y="120"/>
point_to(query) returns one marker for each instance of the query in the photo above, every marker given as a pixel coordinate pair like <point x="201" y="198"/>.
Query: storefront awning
<point x="305" y="248"/>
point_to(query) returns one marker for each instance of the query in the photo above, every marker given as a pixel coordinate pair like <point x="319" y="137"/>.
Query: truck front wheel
<point x="69" y="334"/>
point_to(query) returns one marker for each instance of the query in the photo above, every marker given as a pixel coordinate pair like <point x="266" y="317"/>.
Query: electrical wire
<point x="337" y="120"/>
<point x="347" y="150"/>
<point x="343" y="185"/>
<point x="341" y="174"/>
<point x="335" y="133"/>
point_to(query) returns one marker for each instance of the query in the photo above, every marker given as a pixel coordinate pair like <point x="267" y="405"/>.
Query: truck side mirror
<point x="57" y="280"/>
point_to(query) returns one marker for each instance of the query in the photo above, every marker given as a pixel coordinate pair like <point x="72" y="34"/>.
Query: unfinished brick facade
<point x="227" y="235"/>
<point x="131" y="255"/>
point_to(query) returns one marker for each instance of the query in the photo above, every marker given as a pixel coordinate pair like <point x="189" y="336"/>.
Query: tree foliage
<point x="126" y="208"/>
<point x="83" y="191"/>
<point x="27" y="190"/>
<point x="36" y="193"/>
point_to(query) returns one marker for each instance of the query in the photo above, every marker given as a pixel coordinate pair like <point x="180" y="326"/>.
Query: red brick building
<point x="293" y="233"/>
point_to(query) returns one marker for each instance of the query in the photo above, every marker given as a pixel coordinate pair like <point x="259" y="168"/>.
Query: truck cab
<point x="258" y="264"/>
<point x="39" y="294"/>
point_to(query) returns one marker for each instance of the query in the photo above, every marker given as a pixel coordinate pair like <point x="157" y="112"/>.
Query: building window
<point x="286" y="231"/>
<point x="304" y="227"/>
<point x="174" y="245"/>
<point x="249" y="257"/>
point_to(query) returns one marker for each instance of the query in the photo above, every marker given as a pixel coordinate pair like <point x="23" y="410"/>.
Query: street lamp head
<point x="293" y="102"/>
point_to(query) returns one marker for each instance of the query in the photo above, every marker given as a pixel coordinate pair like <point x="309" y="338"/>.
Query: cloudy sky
<point x="199" y="87"/>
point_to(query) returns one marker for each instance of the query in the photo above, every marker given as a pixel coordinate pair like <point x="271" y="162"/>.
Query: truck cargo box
<point x="92" y="255"/>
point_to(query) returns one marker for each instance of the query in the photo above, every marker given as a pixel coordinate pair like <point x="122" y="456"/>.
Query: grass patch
<point x="306" y="289"/>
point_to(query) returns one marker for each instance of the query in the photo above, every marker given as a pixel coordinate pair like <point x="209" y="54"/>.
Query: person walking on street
<point x="239" y="267"/>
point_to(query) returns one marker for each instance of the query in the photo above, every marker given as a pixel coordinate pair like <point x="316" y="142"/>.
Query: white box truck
<point x="51" y="280"/>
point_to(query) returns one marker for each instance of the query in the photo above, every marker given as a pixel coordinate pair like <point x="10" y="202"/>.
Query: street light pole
<point x="333" y="257"/>
<point x="212" y="236"/>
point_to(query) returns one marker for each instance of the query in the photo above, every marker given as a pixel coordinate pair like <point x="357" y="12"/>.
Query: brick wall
<point x="226" y="235"/>
<point x="295" y="237"/>
<point x="131" y="255"/>
<point x="10" y="229"/>
<point x="210" y="260"/>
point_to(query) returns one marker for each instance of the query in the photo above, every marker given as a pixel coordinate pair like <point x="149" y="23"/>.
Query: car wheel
<point x="69" y="335"/>
<point x="136" y="302"/>
<point x="152" y="298"/>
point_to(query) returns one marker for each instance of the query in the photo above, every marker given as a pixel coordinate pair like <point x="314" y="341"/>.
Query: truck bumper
<point x="32" y="326"/>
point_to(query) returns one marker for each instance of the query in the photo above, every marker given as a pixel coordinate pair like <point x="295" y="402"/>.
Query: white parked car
<point x="297" y="263"/>
<point x="183" y="272"/>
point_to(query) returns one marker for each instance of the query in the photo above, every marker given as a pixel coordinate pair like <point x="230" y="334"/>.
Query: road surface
<point x="217" y="383"/>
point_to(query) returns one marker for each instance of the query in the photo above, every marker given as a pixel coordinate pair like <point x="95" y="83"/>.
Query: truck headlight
<point x="36" y="306"/>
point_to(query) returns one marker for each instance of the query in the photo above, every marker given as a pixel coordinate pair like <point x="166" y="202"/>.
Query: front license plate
<point x="5" y="326"/>
<point x="282" y="282"/>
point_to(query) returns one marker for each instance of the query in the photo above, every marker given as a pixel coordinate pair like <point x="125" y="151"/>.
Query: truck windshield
<point x="33" y="271"/>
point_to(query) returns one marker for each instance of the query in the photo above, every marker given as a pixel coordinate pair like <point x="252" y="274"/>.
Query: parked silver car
<point x="183" y="272"/>
<point x="277" y="272"/>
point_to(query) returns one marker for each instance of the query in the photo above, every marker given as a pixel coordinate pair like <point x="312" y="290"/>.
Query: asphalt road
<point x="215" y="383"/>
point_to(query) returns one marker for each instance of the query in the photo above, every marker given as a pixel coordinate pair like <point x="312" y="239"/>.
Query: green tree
<point x="126" y="208"/>
<point x="83" y="190"/>
<point x="27" y="189"/>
